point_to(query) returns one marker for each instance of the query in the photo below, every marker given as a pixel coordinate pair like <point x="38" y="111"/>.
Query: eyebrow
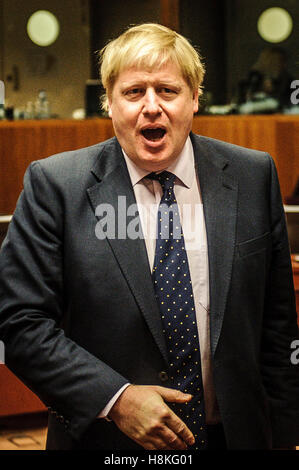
<point x="157" y="83"/>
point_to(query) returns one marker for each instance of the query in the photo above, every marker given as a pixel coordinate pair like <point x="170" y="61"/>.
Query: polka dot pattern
<point x="174" y="295"/>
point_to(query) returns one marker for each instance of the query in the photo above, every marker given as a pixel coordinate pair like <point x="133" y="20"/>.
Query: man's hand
<point x="142" y="414"/>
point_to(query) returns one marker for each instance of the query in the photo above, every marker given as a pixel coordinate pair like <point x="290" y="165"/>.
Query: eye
<point x="167" y="92"/>
<point x="134" y="92"/>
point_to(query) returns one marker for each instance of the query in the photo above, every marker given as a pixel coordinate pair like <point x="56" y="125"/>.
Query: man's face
<point x="152" y="114"/>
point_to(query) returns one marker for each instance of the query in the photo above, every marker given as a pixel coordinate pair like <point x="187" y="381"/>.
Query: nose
<point x="151" y="105"/>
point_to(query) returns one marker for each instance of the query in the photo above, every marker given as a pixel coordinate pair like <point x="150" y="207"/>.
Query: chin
<point x="155" y="164"/>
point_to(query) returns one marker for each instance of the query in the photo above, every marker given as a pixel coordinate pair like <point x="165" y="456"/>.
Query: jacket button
<point x="163" y="376"/>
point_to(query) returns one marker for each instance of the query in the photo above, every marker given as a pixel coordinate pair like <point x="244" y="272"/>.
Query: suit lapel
<point x="114" y="189"/>
<point x="219" y="194"/>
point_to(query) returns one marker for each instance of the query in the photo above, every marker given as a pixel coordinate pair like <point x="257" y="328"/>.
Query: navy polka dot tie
<point x="174" y="295"/>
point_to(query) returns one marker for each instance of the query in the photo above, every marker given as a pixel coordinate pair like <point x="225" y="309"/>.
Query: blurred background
<point x="231" y="36"/>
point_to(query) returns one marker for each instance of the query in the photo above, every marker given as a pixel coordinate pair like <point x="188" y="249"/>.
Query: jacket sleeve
<point x="66" y="377"/>
<point x="280" y="374"/>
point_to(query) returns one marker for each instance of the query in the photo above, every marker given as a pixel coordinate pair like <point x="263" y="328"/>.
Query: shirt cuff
<point x="105" y="411"/>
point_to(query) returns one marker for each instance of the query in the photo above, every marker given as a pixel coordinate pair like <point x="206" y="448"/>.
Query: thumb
<point x="173" y="395"/>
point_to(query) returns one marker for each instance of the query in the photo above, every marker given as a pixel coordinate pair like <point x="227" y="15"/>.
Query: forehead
<point x="168" y="72"/>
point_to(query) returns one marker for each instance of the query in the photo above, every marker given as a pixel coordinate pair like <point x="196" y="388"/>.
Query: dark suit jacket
<point x="79" y="317"/>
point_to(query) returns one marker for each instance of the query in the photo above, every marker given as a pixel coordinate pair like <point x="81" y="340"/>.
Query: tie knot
<point x="165" y="178"/>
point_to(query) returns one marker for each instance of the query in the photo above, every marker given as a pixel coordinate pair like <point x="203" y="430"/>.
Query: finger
<point x="159" y="436"/>
<point x="173" y="395"/>
<point x="173" y="441"/>
<point x="150" y="446"/>
<point x="171" y="419"/>
<point x="156" y="443"/>
<point x="165" y="438"/>
<point x="180" y="429"/>
<point x="167" y="441"/>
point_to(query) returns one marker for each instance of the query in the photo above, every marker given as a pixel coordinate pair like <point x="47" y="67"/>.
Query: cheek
<point x="181" y="113"/>
<point x="181" y="121"/>
<point x="125" y="116"/>
<point x="124" y="128"/>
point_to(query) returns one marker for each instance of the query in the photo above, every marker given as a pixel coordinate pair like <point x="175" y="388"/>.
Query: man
<point x="81" y="314"/>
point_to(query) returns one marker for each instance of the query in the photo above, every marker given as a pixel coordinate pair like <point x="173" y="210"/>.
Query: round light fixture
<point x="43" y="28"/>
<point x="275" y="25"/>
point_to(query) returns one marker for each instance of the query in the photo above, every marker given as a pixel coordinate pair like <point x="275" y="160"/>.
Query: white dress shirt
<point x="148" y="194"/>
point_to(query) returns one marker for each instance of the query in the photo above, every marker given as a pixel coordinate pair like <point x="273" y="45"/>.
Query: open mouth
<point x="153" y="135"/>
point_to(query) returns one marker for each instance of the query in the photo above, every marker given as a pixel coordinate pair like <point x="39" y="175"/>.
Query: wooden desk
<point x="15" y="398"/>
<point x="24" y="141"/>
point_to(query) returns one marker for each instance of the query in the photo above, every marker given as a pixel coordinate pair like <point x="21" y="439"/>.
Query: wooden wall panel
<point x="24" y="141"/>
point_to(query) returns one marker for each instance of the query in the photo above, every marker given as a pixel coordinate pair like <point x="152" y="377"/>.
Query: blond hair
<point x="148" y="46"/>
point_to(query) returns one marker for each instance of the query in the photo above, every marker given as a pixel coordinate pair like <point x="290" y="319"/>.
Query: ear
<point x="109" y="102"/>
<point x="109" y="108"/>
<point x="195" y="101"/>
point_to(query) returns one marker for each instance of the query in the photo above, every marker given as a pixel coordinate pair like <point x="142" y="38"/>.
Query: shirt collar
<point x="182" y="167"/>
